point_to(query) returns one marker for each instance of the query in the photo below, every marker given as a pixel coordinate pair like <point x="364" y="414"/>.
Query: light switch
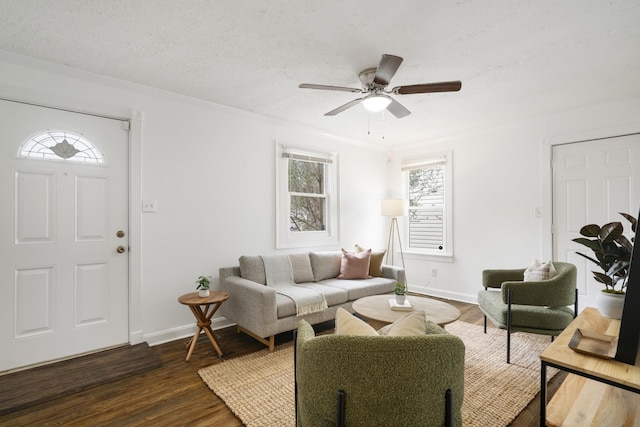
<point x="149" y="206"/>
<point x="538" y="213"/>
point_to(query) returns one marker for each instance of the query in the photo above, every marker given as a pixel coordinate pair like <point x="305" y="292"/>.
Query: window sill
<point x="428" y="256"/>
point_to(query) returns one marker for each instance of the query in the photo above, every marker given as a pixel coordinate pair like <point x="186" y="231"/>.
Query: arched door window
<point x="61" y="145"/>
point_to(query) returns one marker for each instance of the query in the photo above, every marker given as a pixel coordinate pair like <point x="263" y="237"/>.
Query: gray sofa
<point x="262" y="313"/>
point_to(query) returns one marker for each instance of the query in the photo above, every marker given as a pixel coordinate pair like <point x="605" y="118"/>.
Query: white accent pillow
<point x="411" y="324"/>
<point x="538" y="271"/>
<point x="348" y="324"/>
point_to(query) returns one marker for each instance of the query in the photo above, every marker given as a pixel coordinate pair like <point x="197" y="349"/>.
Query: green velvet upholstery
<point x="537" y="307"/>
<point x="387" y="380"/>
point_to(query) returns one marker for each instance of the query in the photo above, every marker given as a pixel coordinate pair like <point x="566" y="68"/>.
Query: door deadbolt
<point x="120" y="234"/>
<point x="120" y="249"/>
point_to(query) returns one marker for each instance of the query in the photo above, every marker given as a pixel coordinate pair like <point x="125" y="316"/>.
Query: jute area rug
<point x="259" y="388"/>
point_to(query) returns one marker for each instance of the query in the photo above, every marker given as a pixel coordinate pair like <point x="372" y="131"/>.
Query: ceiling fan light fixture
<point x="375" y="103"/>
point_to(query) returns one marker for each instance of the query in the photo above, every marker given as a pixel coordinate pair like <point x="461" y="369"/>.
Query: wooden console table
<point x="597" y="392"/>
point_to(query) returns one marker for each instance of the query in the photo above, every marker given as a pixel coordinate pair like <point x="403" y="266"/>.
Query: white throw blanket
<point x="279" y="275"/>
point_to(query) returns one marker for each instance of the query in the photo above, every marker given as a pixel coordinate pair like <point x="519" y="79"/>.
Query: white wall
<point x="500" y="177"/>
<point x="212" y="171"/>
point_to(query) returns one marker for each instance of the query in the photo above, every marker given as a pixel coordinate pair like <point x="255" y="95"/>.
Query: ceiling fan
<point x="374" y="85"/>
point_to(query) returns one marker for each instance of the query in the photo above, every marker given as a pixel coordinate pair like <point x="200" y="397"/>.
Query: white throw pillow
<point x="348" y="324"/>
<point x="538" y="271"/>
<point x="411" y="324"/>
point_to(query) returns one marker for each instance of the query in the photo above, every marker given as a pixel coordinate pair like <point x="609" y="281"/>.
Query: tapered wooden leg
<point x="193" y="341"/>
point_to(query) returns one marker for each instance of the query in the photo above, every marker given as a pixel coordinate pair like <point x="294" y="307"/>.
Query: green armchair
<point x="379" y="380"/>
<point x="538" y="307"/>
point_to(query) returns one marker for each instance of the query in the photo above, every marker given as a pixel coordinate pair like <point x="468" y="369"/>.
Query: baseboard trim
<point x="455" y="296"/>
<point x="168" y="335"/>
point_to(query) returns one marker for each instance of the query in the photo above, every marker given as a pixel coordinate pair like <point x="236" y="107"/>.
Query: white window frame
<point x="446" y="254"/>
<point x="285" y="238"/>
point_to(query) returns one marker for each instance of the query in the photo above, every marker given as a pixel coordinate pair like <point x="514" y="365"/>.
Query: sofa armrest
<point x="250" y="304"/>
<point x="394" y="272"/>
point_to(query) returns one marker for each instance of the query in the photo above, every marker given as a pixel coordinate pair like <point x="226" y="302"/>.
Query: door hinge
<point x="126" y="125"/>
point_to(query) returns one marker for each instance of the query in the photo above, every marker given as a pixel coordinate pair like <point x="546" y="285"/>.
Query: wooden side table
<point x="203" y="308"/>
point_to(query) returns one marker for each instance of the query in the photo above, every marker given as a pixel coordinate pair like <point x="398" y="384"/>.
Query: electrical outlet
<point x="434" y="272"/>
<point x="149" y="206"/>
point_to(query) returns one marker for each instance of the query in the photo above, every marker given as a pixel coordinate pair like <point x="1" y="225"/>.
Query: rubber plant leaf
<point x="591" y="230"/>
<point x="610" y="232"/>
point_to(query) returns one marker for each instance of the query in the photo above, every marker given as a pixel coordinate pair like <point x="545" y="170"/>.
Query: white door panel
<point x="592" y="182"/>
<point x="64" y="287"/>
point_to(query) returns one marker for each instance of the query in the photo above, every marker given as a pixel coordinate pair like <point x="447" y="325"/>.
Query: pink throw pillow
<point x="355" y="266"/>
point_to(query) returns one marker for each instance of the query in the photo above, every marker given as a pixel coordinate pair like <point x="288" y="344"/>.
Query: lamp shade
<point x="395" y="207"/>
<point x="375" y="103"/>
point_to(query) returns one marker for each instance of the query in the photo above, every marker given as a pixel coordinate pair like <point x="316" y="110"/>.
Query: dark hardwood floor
<point x="174" y="394"/>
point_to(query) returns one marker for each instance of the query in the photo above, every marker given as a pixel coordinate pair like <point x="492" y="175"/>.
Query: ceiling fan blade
<point x="326" y="87"/>
<point x="452" y="86"/>
<point x="386" y="69"/>
<point x="397" y="109"/>
<point x="341" y="108"/>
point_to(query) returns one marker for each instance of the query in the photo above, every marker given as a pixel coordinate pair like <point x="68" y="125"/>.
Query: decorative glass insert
<point x="63" y="146"/>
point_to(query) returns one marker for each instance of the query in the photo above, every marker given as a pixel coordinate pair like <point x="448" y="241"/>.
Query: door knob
<point x="120" y="249"/>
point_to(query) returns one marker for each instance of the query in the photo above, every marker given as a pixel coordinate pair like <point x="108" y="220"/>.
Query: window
<point x="307" y="197"/>
<point x="62" y="146"/>
<point x="428" y="188"/>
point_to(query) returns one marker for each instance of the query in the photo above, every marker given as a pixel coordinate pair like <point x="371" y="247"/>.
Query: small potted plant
<point x="204" y="284"/>
<point x="612" y="251"/>
<point x="400" y="290"/>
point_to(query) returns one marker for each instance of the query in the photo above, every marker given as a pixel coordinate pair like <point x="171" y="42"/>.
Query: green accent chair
<point x="378" y="380"/>
<point x="537" y="307"/>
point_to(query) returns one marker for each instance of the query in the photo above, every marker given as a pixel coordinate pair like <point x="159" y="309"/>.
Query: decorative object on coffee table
<point x="401" y="293"/>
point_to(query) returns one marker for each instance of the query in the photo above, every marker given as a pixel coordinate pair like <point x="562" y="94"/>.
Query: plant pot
<point x="400" y="299"/>
<point x="203" y="293"/>
<point x="610" y="305"/>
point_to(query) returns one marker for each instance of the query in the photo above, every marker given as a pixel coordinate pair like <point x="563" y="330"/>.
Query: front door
<point x="592" y="182"/>
<point x="63" y="234"/>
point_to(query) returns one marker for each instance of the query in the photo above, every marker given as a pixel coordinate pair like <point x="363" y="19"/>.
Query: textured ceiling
<point x="516" y="59"/>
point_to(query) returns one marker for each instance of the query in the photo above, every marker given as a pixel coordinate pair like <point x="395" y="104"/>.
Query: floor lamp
<point x="394" y="208"/>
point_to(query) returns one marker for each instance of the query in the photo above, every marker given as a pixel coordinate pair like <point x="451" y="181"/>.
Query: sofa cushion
<point x="362" y="288"/>
<point x="348" y="324"/>
<point x="252" y="268"/>
<point x="325" y="265"/>
<point x="375" y="264"/>
<point x="334" y="296"/>
<point x="355" y="266"/>
<point x="301" y="266"/>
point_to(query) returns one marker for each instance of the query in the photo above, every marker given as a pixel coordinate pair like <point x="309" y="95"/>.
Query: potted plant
<point x="612" y="251"/>
<point x="400" y="290"/>
<point x="204" y="284"/>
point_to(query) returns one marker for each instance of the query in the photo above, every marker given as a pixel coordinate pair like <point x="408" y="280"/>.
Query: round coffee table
<point x="378" y="313"/>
